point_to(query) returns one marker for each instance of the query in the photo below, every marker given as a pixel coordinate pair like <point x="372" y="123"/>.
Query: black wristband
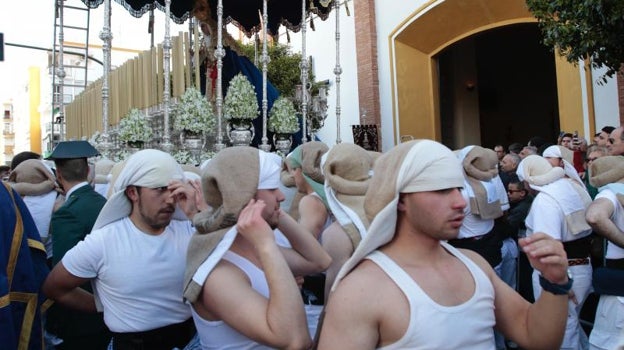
<point x="556" y="289"/>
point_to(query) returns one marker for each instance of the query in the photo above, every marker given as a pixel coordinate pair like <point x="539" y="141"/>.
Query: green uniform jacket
<point x="70" y="224"/>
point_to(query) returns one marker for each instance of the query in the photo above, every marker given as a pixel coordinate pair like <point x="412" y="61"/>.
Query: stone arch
<point x="433" y="27"/>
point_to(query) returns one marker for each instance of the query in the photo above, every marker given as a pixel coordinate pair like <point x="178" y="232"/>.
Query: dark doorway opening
<point x="498" y="87"/>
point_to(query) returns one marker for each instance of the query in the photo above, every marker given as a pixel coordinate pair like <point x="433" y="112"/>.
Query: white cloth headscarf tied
<point x="556" y="151"/>
<point x="147" y="168"/>
<point x="415" y="166"/>
<point x="270" y="168"/>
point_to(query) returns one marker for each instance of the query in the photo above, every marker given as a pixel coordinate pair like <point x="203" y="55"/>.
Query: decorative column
<point x="166" y="145"/>
<point x="265" y="60"/>
<point x="304" y="74"/>
<point x="106" y="146"/>
<point x="219" y="54"/>
<point x="337" y="71"/>
<point x="60" y="73"/>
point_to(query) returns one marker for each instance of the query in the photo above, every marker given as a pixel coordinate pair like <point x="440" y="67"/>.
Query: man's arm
<point x="306" y="256"/>
<point x="312" y="215"/>
<point x="598" y="216"/>
<point x="63" y="287"/>
<point x="278" y="321"/>
<point x="350" y="321"/>
<point x="540" y="325"/>
<point x="338" y="245"/>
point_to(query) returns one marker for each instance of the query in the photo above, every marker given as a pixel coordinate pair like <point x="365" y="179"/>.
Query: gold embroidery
<point x="29" y="316"/>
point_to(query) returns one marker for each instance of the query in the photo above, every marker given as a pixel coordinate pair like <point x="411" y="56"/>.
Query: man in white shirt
<point x="606" y="217"/>
<point x="135" y="256"/>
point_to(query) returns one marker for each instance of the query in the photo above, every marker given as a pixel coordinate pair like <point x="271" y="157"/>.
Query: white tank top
<point x="433" y="326"/>
<point x="218" y="334"/>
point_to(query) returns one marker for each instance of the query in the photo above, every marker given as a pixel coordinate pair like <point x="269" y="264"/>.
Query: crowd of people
<point x="328" y="248"/>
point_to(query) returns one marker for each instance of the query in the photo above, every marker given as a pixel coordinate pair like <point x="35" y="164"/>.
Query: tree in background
<point x="283" y="70"/>
<point x="584" y="29"/>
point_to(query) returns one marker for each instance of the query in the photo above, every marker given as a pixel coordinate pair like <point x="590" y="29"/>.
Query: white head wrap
<point x="147" y="168"/>
<point x="270" y="168"/>
<point x="414" y="166"/>
<point x="556" y="151"/>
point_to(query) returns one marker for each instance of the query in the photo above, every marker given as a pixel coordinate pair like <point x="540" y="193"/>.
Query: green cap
<point x="72" y="150"/>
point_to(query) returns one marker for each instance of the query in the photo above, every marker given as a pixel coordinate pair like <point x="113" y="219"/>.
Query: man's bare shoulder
<point x="479" y="260"/>
<point x="364" y="285"/>
<point x="227" y="273"/>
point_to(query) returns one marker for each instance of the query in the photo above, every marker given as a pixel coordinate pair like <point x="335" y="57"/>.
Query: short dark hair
<point x="516" y="181"/>
<point x="537" y="141"/>
<point x="608" y="129"/>
<point x="73" y="169"/>
<point x="22" y="156"/>
<point x="515" y="147"/>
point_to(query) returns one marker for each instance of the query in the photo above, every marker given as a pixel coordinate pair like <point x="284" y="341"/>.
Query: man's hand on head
<point x="186" y="196"/>
<point x="252" y="225"/>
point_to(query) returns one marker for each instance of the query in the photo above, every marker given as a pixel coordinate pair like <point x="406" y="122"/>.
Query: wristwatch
<point x="556" y="289"/>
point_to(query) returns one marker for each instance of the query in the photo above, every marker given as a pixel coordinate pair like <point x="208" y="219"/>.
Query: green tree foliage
<point x="283" y="70"/>
<point x="582" y="29"/>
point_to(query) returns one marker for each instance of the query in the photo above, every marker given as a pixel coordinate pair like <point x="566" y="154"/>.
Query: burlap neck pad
<point x="32" y="178"/>
<point x="229" y="182"/>
<point x="608" y="172"/>
<point x="414" y="166"/>
<point x="567" y="158"/>
<point x="573" y="200"/>
<point x="537" y="171"/>
<point x="347" y="170"/>
<point x="103" y="168"/>
<point x="480" y="168"/>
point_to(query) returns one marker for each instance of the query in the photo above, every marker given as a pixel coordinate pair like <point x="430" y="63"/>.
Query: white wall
<point x="606" y="105"/>
<point x="389" y="14"/>
<point x="321" y="45"/>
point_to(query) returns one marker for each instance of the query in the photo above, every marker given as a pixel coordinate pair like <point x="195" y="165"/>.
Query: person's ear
<point x="132" y="192"/>
<point x="401" y="204"/>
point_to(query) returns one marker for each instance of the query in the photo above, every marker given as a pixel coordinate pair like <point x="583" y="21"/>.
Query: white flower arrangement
<point x="120" y="155"/>
<point x="134" y="127"/>
<point x="241" y="101"/>
<point x="283" y="117"/>
<point x="184" y="157"/>
<point x="193" y="113"/>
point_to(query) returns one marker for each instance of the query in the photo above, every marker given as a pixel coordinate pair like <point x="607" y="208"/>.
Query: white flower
<point x="283" y="117"/>
<point x="134" y="127"/>
<point x="241" y="101"/>
<point x="193" y="113"/>
<point x="184" y="157"/>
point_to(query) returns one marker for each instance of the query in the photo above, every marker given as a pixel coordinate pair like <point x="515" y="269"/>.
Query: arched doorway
<point x="417" y="46"/>
<point x="498" y="87"/>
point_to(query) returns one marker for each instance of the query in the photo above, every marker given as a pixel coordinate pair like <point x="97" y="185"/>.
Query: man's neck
<point x="69" y="186"/>
<point x="413" y="248"/>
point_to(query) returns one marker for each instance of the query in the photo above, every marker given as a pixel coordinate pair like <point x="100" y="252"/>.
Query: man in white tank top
<point x="239" y="280"/>
<point x="406" y="288"/>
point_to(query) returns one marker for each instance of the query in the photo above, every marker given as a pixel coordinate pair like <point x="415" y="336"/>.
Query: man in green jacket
<point x="70" y="224"/>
